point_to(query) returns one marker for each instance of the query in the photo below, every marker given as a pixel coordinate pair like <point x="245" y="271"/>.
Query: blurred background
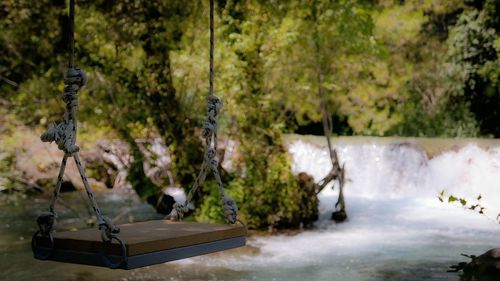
<point x="412" y="87"/>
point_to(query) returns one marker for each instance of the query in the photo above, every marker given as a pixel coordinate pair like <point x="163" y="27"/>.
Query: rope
<point x="71" y="49"/>
<point x="214" y="105"/>
<point x="211" y="48"/>
<point x="64" y="135"/>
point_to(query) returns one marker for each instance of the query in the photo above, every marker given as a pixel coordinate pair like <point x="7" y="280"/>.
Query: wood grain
<point x="147" y="237"/>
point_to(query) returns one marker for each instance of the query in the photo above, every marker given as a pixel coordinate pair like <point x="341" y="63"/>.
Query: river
<point x="397" y="228"/>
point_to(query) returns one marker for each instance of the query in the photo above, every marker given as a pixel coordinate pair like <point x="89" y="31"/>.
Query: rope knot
<point x="178" y="211"/>
<point x="63" y="134"/>
<point x="209" y="128"/>
<point x="211" y="159"/>
<point x="210" y="153"/>
<point x="230" y="209"/>
<point x="74" y="79"/>
<point x="108" y="229"/>
<point x="214" y="105"/>
<point x="46" y="221"/>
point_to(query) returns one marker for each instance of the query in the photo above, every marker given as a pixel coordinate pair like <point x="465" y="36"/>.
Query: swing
<point x="140" y="244"/>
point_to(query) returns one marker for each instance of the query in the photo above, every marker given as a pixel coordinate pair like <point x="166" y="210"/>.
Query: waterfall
<point x="403" y="170"/>
<point x="397" y="229"/>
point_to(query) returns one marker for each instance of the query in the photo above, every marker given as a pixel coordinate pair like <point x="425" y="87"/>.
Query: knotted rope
<point x="214" y="105"/>
<point x="209" y="163"/>
<point x="64" y="135"/>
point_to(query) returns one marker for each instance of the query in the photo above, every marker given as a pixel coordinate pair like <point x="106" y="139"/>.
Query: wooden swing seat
<point x="145" y="243"/>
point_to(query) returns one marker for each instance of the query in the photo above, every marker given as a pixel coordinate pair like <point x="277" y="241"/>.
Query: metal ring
<point x="36" y="249"/>
<point x="105" y="258"/>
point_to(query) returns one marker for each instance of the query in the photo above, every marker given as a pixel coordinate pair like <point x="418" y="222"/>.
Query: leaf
<point x="452" y="199"/>
<point x="440" y="198"/>
<point x="479" y="197"/>
<point x="463" y="202"/>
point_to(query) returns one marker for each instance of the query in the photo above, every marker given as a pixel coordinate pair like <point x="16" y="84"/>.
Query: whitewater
<point x="397" y="228"/>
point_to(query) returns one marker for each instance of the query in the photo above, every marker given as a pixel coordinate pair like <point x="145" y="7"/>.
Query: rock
<point x="308" y="199"/>
<point x="485" y="267"/>
<point x="38" y="163"/>
<point x="339" y="216"/>
<point x="109" y="160"/>
<point x="306" y="180"/>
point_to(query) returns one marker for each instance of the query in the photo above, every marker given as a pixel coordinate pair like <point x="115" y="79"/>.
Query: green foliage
<point x="271" y="197"/>
<point x="474" y="56"/>
<point x="473" y="205"/>
<point x="325" y="44"/>
<point x="30" y="57"/>
<point x="269" y="192"/>
<point x="446" y="119"/>
<point x="210" y="210"/>
<point x="420" y="68"/>
<point x="384" y="66"/>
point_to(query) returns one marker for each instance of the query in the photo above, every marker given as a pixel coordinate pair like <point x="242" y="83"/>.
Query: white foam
<point x="398" y="171"/>
<point x="393" y="212"/>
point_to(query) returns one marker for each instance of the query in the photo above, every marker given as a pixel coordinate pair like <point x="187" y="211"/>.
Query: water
<point x="397" y="228"/>
<point x="401" y="170"/>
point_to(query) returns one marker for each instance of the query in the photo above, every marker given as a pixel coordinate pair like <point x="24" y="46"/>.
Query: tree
<point x="474" y="57"/>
